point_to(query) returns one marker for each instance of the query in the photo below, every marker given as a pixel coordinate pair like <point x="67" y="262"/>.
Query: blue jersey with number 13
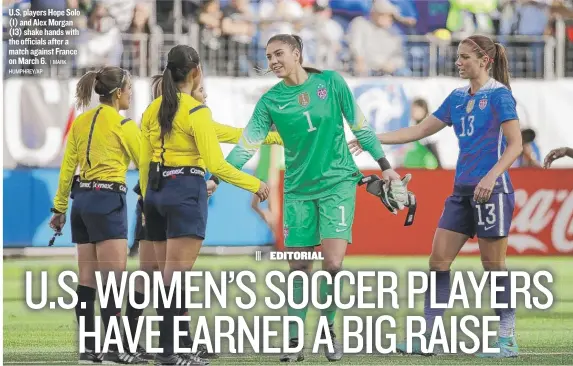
<point x="477" y="120"/>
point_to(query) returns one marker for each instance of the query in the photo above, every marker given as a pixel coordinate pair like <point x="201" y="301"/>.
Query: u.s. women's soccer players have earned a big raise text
<point x="370" y="292"/>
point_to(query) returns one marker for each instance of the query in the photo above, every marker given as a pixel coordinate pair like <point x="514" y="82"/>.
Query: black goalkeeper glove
<point x="394" y="195"/>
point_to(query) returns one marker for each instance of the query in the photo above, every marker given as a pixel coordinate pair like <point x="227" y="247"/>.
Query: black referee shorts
<point x="177" y="209"/>
<point x="98" y="215"/>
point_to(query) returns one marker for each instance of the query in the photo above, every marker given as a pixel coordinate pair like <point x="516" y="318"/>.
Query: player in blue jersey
<point x="485" y="121"/>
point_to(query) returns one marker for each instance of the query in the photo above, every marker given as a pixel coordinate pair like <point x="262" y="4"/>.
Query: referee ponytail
<point x="105" y="82"/>
<point x="181" y="60"/>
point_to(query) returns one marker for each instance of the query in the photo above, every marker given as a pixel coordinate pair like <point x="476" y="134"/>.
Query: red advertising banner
<point x="542" y="222"/>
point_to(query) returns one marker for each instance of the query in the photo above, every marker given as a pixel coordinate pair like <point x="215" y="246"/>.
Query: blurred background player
<point x="307" y="108"/>
<point x="531" y="156"/>
<point x="178" y="142"/>
<point x="424" y="153"/>
<point x="484" y="118"/>
<point x="103" y="143"/>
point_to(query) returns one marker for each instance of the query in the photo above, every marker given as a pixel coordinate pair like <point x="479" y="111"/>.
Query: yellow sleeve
<point x="145" y="154"/>
<point x="226" y="133"/>
<point x="232" y="135"/>
<point x="67" y="171"/>
<point x="203" y="130"/>
<point x="273" y="138"/>
<point x="131" y="139"/>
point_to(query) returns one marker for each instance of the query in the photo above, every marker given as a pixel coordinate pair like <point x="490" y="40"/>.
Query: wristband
<point x="53" y="210"/>
<point x="384" y="164"/>
<point x="215" y="179"/>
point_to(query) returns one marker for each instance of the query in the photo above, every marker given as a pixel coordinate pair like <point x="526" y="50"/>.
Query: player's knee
<point x="491" y="263"/>
<point x="332" y="266"/>
<point x="439" y="263"/>
<point x="305" y="266"/>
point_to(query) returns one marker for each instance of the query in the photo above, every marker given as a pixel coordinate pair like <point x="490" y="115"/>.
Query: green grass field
<point x="48" y="336"/>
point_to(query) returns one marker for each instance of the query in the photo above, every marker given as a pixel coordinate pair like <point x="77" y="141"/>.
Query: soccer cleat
<point x="508" y="348"/>
<point x="193" y="357"/>
<point x="292" y="357"/>
<point x="123" y="358"/>
<point x="142" y="353"/>
<point x="204" y="353"/>
<point x="336" y="353"/>
<point x="90" y="357"/>
<point x="402" y="347"/>
<point x="177" y="359"/>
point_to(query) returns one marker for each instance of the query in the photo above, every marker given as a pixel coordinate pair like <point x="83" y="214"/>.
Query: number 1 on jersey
<point x="342" y="219"/>
<point x="310" y="126"/>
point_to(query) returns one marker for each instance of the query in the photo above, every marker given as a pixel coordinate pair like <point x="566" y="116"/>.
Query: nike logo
<point x="339" y="230"/>
<point x="281" y="107"/>
<point x="486" y="228"/>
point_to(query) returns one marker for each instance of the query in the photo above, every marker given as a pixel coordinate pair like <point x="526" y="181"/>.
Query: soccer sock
<point x="297" y="296"/>
<point x="133" y="314"/>
<point x="442" y="297"/>
<point x="167" y="311"/>
<point x="184" y="340"/>
<point x="87" y="295"/>
<point x="111" y="310"/>
<point x="325" y="290"/>
<point x="506" y="316"/>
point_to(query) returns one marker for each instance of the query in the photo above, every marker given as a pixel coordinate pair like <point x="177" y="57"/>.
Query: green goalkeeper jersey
<point x="309" y="119"/>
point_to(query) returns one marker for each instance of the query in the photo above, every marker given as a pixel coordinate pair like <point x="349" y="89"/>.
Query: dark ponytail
<point x="300" y="47"/>
<point x="181" y="60"/>
<point x="296" y="43"/>
<point x="501" y="66"/>
<point x="104" y="82"/>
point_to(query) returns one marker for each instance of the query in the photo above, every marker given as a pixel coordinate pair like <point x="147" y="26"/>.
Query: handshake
<point x="393" y="194"/>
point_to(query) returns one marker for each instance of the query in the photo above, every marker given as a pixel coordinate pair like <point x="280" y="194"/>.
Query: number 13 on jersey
<point x="470" y="126"/>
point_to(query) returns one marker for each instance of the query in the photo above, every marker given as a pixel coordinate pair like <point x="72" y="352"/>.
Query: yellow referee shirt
<point x="102" y="142"/>
<point x="192" y="142"/>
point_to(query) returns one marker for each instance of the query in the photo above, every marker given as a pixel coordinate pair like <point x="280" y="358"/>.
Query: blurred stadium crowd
<point x="357" y="37"/>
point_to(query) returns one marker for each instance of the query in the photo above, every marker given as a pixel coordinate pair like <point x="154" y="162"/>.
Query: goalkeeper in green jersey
<point x="307" y="107"/>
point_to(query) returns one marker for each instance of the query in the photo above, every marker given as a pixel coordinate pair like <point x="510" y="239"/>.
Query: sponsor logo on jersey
<point x="321" y="92"/>
<point x="470" y="105"/>
<point x="482" y="104"/>
<point x="303" y="99"/>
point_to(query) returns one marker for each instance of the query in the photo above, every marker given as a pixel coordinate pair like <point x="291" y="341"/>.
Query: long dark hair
<point x="104" y="82"/>
<point x="485" y="46"/>
<point x="181" y="60"/>
<point x="295" y="42"/>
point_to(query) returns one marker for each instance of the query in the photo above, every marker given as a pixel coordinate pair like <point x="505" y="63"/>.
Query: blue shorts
<point x="177" y="209"/>
<point x="98" y="215"/>
<point x="488" y="220"/>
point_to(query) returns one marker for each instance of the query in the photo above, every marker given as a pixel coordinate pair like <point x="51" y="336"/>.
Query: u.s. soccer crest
<point x="470" y="105"/>
<point x="303" y="99"/>
<point x="321" y="92"/>
<point x="482" y="104"/>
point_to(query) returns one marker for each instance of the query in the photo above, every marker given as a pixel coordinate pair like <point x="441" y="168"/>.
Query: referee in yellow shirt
<point x="147" y="260"/>
<point x="178" y="143"/>
<point x="102" y="143"/>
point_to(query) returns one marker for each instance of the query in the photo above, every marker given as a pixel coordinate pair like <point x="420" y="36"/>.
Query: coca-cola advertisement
<point x="542" y="221"/>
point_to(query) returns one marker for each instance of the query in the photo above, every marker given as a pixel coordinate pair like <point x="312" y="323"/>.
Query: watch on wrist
<point x="53" y="210"/>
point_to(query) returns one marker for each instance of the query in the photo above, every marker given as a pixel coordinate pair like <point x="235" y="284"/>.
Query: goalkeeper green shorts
<point x="307" y="222"/>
